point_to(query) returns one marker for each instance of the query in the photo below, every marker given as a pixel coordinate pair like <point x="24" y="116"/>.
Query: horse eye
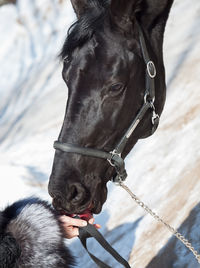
<point x="117" y="87"/>
<point x="66" y="59"/>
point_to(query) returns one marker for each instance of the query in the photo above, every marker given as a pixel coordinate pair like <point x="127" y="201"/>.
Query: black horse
<point x="105" y="71"/>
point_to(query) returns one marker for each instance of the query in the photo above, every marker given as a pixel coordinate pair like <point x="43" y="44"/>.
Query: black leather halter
<point x="114" y="157"/>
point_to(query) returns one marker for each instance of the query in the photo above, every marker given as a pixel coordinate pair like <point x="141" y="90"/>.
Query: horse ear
<point x="79" y="6"/>
<point x="124" y="10"/>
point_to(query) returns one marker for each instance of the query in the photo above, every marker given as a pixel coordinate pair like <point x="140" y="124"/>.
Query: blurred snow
<point x="163" y="170"/>
<point x="31" y="92"/>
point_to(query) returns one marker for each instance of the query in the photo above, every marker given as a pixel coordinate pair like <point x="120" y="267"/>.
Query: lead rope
<point x="157" y="218"/>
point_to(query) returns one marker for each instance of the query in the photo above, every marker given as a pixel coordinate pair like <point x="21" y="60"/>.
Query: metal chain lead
<point x="156" y="217"/>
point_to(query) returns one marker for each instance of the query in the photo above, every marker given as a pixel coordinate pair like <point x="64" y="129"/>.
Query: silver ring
<point x="151" y="69"/>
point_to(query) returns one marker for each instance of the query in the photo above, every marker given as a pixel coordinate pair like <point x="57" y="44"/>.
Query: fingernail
<point x="84" y="223"/>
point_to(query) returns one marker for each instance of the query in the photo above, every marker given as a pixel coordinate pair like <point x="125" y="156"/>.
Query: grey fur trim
<point x="39" y="236"/>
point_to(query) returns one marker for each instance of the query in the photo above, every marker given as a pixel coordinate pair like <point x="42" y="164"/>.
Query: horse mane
<point x="83" y="29"/>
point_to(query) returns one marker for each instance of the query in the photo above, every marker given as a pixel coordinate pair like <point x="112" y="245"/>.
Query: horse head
<point x="104" y="70"/>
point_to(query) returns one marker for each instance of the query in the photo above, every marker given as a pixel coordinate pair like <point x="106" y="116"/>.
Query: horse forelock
<point x="82" y="30"/>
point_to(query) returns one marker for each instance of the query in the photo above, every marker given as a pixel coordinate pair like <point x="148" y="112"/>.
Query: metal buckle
<point x="117" y="179"/>
<point x="149" y="101"/>
<point x="154" y="117"/>
<point x="152" y="106"/>
<point x="113" y="153"/>
<point x="151" y="69"/>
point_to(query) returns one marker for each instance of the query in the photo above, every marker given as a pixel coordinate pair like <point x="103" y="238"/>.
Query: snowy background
<point x="164" y="170"/>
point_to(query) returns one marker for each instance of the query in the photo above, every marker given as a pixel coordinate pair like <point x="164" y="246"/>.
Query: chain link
<point x="156" y="217"/>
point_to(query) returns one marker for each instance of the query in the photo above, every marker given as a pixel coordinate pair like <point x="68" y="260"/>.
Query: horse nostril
<point x="76" y="193"/>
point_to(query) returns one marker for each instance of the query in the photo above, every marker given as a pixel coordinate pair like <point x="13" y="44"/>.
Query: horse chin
<point x="99" y="201"/>
<point x="97" y="207"/>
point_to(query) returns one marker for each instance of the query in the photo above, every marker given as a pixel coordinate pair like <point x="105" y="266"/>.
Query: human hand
<point x="70" y="225"/>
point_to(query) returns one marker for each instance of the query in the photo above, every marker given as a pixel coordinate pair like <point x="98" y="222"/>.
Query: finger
<point x="72" y="222"/>
<point x="98" y="226"/>
<point x="91" y="221"/>
<point x="71" y="232"/>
